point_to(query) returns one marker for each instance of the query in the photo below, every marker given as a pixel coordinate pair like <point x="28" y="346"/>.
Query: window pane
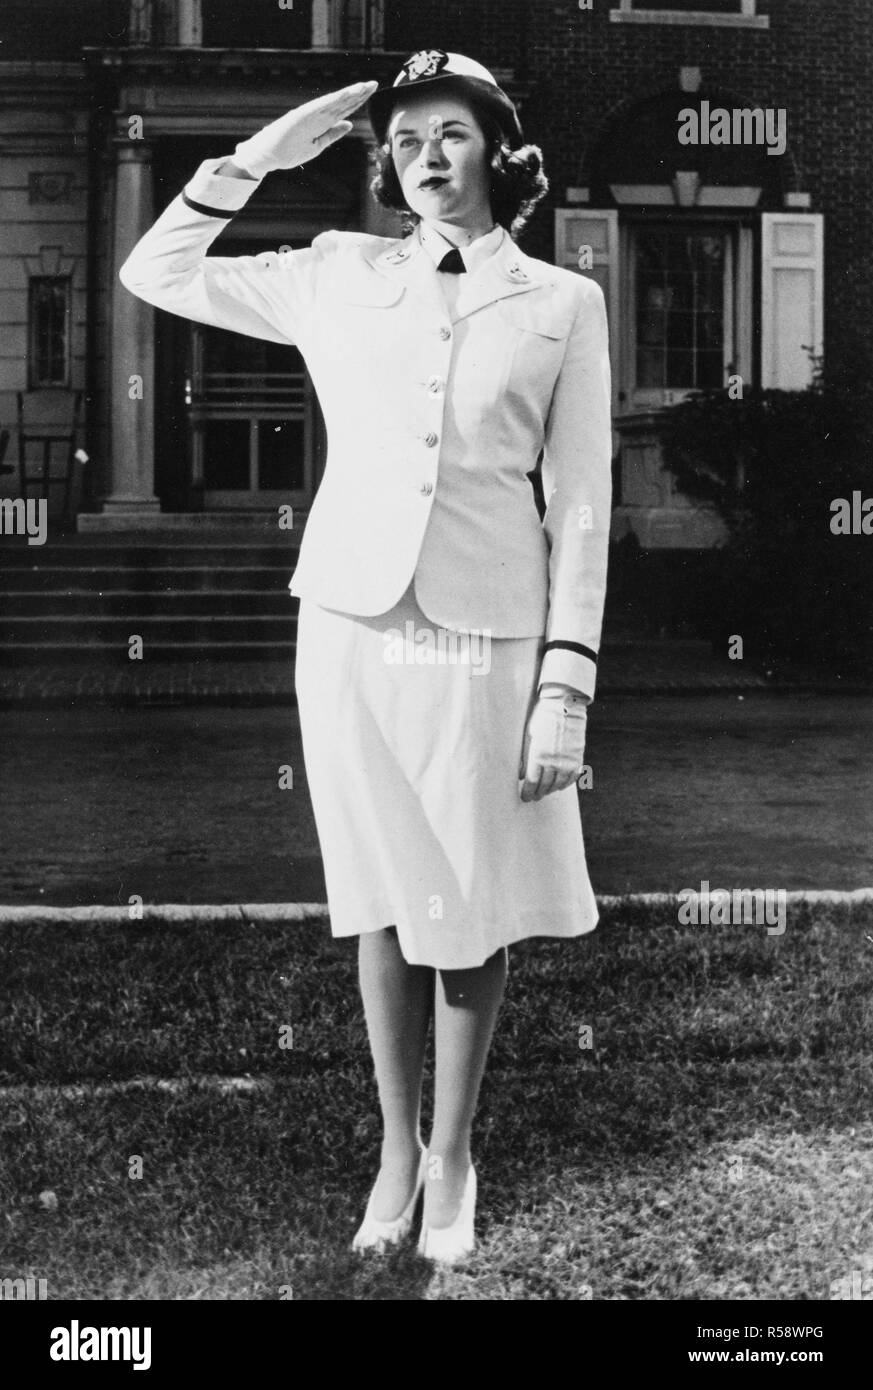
<point x="690" y="6"/>
<point x="49" y="320"/>
<point x="281" y="456"/>
<point x="57" y="332"/>
<point x="710" y="370"/>
<point x="358" y="25"/>
<point x="255" y="358"/>
<point x="679" y="309"/>
<point x="230" y="24"/>
<point x="48" y="29"/>
<point x="239" y="382"/>
<point x="226" y="455"/>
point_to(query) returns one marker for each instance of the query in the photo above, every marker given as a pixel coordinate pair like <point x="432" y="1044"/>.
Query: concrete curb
<point x="164" y="914"/>
<point x="793" y="897"/>
<point x="172" y="1085"/>
<point x="262" y="914"/>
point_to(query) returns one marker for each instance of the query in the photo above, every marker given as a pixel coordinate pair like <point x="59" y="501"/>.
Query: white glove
<point x="554" y="743"/>
<point x="301" y="134"/>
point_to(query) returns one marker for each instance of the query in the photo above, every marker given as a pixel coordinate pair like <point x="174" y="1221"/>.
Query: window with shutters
<point x="49" y="331"/>
<point x="682" y="301"/>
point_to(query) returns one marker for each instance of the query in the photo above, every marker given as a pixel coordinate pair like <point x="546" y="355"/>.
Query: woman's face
<point x="439" y="153"/>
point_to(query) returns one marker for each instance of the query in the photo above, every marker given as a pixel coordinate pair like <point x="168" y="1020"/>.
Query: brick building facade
<point x="718" y="260"/>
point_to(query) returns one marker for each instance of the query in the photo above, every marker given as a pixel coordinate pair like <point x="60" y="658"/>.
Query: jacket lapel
<point x="406" y="263"/>
<point x="508" y="272"/>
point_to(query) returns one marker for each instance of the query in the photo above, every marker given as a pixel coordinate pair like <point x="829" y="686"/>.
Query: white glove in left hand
<point x="554" y="746"/>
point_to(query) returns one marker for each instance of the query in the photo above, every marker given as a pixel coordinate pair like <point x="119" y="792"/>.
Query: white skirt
<point x="412" y="738"/>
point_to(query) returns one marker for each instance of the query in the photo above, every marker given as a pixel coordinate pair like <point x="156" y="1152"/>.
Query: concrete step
<point x="89" y="604"/>
<point x="180" y="556"/>
<point x="183" y="526"/>
<point x="31" y="614"/>
<point x="220" y="595"/>
<point x="141" y="579"/>
<point x="115" y="632"/>
<point x="96" y="657"/>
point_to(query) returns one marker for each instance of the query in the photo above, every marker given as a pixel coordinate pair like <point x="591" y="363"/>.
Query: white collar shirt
<point x="474" y="256"/>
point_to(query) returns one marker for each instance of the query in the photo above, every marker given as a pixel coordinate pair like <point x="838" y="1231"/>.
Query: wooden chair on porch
<point x="46" y="434"/>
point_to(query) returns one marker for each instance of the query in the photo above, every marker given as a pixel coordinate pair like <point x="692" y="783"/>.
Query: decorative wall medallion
<point x="45" y="187"/>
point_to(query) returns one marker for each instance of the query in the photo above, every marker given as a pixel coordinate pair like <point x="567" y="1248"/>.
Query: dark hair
<point x="517" y="180"/>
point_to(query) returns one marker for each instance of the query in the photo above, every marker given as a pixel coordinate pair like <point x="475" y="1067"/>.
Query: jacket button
<point x="431" y="439"/>
<point x="445" y="334"/>
<point x="426" y="489"/>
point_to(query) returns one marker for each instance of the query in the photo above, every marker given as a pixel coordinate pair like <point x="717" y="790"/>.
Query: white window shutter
<point x="322" y="24"/>
<point x="792" y="297"/>
<point x="597" y="228"/>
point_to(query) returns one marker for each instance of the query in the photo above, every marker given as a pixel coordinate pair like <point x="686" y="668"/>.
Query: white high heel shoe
<point x="450" y="1244"/>
<point x="376" y="1235"/>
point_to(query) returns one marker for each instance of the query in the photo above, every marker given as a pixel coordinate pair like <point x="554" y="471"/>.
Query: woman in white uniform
<point x="447" y="639"/>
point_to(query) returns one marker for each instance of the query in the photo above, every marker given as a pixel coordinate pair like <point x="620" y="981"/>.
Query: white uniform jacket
<point x="434" y="419"/>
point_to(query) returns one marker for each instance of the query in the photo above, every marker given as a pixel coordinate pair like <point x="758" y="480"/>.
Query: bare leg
<point x="398" y="999"/>
<point x="466" y="1007"/>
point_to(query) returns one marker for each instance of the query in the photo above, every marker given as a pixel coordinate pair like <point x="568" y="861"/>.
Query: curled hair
<point x="517" y="182"/>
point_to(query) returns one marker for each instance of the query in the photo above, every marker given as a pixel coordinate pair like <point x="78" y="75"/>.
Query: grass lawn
<point x="715" y="1141"/>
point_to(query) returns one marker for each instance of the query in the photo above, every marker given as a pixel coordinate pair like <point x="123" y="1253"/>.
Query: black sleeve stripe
<point x="210" y="212"/>
<point x="571" y="647"/>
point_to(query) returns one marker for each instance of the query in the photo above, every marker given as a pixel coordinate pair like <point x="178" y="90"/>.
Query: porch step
<point x="132" y="580"/>
<point x="97" y="655"/>
<point x="158" y="602"/>
<point x="258" y="526"/>
<point x="192" y="555"/>
<point x="79" y="599"/>
<point x="115" y="631"/>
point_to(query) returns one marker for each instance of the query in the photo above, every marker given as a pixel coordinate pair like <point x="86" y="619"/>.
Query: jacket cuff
<point x="217" y="195"/>
<point x="552" y="690"/>
<point x="569" y="663"/>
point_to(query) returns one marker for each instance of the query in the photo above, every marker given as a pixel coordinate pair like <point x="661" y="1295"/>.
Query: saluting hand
<point x="302" y="134"/>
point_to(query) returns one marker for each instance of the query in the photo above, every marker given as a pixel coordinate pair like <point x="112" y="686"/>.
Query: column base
<point x="121" y="514"/>
<point x="186" y="524"/>
<point x="136" y="506"/>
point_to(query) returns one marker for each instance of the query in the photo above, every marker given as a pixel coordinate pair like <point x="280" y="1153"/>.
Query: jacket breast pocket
<point x="540" y="333"/>
<point x="542" y="320"/>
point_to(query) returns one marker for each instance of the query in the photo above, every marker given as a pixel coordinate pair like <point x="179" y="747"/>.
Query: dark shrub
<point x="772" y="464"/>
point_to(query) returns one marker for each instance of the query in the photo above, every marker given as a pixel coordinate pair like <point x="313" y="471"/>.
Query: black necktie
<point x="453" y="262"/>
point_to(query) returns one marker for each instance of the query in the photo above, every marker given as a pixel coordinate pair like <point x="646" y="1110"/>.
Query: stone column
<point x="132" y="350"/>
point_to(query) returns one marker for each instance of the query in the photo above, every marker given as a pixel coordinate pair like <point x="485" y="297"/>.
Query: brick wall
<point x="815" y="60"/>
<point x="580" y="70"/>
<point x="491" y="31"/>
